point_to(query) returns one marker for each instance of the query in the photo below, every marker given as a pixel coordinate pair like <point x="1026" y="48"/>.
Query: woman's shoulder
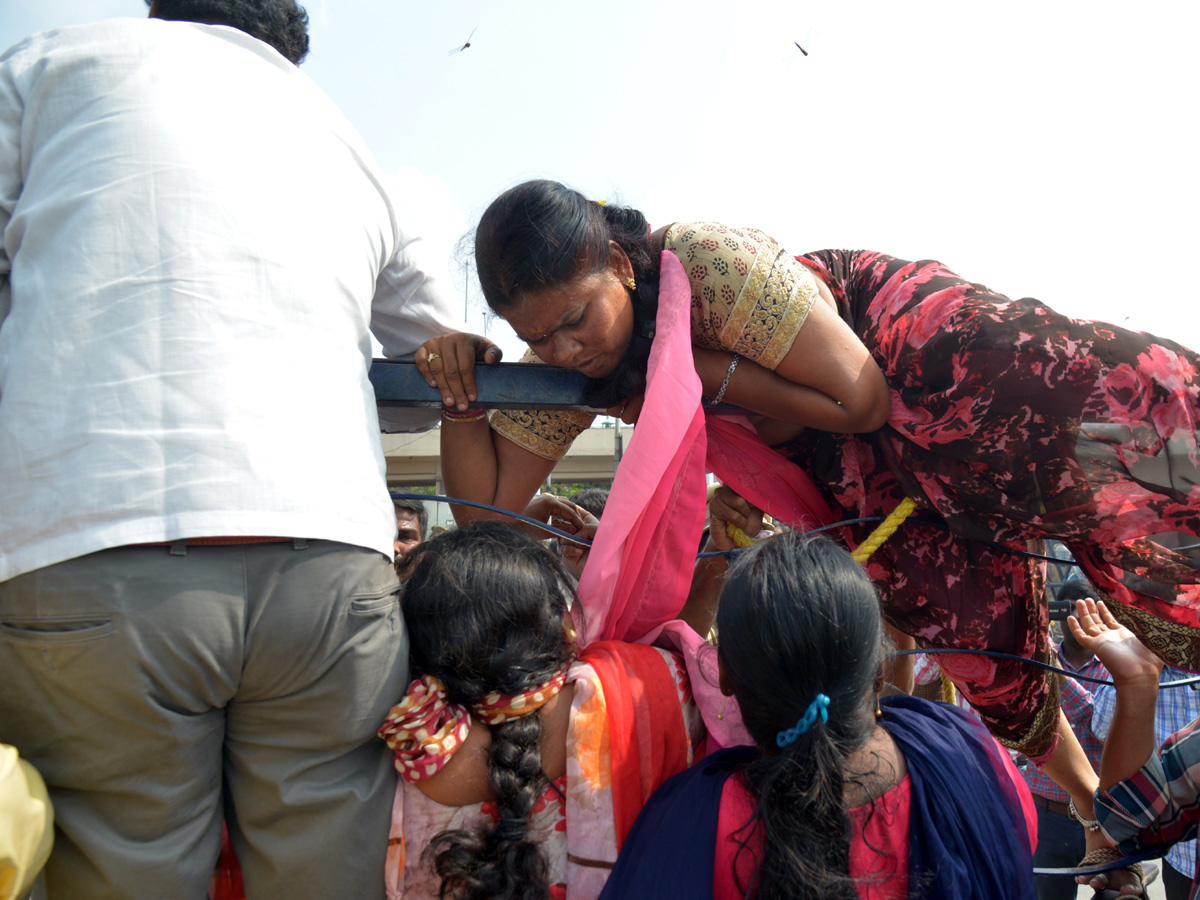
<point x="713" y="240"/>
<point x="749" y="296"/>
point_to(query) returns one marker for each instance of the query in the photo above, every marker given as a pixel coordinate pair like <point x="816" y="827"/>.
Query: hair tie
<point x="497" y="708"/>
<point x="789" y="736"/>
<point x="425" y="728"/>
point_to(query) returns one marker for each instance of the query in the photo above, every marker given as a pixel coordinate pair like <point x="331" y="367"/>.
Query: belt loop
<point x="299" y="544"/>
<point x="179" y="547"/>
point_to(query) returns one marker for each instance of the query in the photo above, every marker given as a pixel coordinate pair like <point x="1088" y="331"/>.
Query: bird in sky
<point x="468" y="43"/>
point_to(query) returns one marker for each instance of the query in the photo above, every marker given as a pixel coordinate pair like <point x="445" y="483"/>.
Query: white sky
<point x="1045" y="148"/>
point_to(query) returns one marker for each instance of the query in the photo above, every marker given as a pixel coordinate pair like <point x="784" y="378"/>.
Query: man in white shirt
<point x="198" y="613"/>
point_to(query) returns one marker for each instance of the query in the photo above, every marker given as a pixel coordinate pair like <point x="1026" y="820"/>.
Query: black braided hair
<point x="798" y="617"/>
<point x="542" y="234"/>
<point x="485" y="607"/>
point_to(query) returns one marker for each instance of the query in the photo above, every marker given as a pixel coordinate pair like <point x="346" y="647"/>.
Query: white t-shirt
<point x="195" y="246"/>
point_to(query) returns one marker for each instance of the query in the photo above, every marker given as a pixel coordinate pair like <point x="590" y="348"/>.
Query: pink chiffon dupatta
<point x="639" y="571"/>
<point x="637" y="576"/>
<point x="777" y="486"/>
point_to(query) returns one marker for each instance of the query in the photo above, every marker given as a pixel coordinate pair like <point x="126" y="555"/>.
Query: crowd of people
<point x="204" y="662"/>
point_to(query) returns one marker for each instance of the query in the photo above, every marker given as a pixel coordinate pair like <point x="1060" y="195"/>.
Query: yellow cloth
<point x="26" y="824"/>
<point x="749" y="296"/>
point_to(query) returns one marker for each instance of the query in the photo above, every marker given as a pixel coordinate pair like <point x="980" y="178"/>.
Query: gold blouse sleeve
<point x="749" y="296"/>
<point x="547" y="433"/>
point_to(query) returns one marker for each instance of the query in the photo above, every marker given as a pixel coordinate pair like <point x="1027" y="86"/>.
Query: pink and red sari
<point x="1010" y="424"/>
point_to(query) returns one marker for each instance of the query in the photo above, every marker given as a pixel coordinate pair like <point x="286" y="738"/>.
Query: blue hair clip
<point x="789" y="736"/>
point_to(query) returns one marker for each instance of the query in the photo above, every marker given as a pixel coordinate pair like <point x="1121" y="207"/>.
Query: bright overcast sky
<point x="1045" y="148"/>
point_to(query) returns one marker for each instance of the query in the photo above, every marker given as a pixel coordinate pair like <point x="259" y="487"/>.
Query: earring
<point x="631" y="283"/>
<point x="878" y="710"/>
<point x="721" y="714"/>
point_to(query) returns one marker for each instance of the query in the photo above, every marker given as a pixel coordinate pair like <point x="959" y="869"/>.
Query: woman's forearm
<point x="708" y="578"/>
<point x="469" y="467"/>
<point x="765" y="392"/>
<point x="480" y="465"/>
<point x="1070" y="769"/>
<point x="1131" y="739"/>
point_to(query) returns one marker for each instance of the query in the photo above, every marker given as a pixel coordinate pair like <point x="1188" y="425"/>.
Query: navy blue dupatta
<point x="967" y="831"/>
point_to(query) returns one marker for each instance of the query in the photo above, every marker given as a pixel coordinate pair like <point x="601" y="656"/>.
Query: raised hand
<point x="1125" y="657"/>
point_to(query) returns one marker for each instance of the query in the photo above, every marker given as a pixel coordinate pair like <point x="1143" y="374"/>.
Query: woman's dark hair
<point x="484" y="608"/>
<point x="542" y="234"/>
<point x="281" y="23"/>
<point x="799" y="617"/>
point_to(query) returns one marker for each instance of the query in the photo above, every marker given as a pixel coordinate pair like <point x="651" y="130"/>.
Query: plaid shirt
<point x="1077" y="701"/>
<point x="1177" y="707"/>
<point x="1161" y="802"/>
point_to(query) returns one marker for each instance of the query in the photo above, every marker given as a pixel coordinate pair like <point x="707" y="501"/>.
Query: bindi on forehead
<point x="547" y="324"/>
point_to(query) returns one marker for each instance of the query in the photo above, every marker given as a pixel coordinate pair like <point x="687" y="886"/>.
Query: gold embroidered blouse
<point x="749" y="296"/>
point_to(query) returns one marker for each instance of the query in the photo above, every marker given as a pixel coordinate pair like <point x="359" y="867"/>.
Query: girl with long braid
<point x="511" y="733"/>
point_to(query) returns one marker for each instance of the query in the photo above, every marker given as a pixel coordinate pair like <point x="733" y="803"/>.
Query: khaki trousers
<point x="161" y="690"/>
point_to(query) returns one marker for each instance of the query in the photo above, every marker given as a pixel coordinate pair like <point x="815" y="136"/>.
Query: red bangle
<point x="467" y="415"/>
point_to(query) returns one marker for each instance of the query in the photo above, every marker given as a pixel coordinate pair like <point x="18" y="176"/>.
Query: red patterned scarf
<point x="425" y="728"/>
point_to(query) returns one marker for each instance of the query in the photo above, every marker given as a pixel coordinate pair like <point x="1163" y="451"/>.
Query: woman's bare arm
<point x="480" y="465"/>
<point x="477" y="463"/>
<point x="1135" y="672"/>
<point x="827" y="380"/>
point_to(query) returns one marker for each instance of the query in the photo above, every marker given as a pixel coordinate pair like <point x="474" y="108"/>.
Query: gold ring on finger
<point x="432" y="356"/>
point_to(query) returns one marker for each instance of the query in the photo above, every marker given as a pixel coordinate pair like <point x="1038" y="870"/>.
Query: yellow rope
<point x="948" y="695"/>
<point x="739" y="537"/>
<point x="886" y="529"/>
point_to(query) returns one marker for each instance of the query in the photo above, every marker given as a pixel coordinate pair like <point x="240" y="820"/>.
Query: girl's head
<point x="798" y="617"/>
<point x="576" y="280"/>
<point x="485" y="607"/>
<point x="486" y="610"/>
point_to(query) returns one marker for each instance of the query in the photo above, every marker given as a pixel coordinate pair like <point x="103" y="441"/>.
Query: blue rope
<point x="1184" y="682"/>
<point x="435" y="498"/>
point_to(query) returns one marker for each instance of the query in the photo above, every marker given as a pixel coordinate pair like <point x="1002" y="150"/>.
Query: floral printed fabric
<point x="1011" y="423"/>
<point x="748" y="295"/>
<point x="580" y="859"/>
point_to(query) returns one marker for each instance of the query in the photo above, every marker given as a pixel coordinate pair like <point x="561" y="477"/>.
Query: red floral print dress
<point x="1011" y="423"/>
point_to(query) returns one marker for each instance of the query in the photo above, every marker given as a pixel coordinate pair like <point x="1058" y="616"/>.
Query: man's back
<point x="201" y="623"/>
<point x="195" y="235"/>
